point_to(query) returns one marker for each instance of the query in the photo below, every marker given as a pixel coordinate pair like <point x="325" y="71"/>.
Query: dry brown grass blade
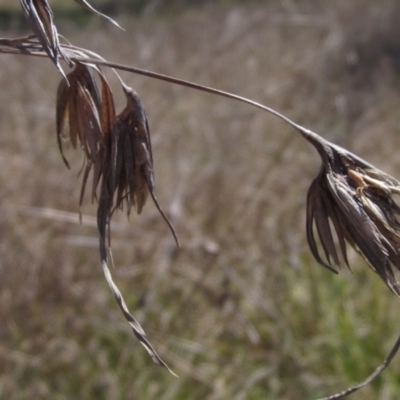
<point x="86" y="5"/>
<point x="40" y="17"/>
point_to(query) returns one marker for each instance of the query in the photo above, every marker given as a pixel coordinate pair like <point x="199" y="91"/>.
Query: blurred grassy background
<point x="241" y="311"/>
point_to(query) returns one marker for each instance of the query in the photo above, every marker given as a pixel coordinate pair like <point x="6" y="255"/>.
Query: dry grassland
<point x="241" y="311"/>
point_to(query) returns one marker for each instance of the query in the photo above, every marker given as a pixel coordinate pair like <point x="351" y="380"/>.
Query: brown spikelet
<point x="354" y="200"/>
<point x="104" y="212"/>
<point x="40" y="17"/>
<point x="132" y="174"/>
<point x="118" y="170"/>
<point x="88" y="120"/>
<point x="132" y="146"/>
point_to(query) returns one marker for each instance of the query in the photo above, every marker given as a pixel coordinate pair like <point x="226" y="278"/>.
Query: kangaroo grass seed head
<point x="131" y="173"/>
<point x="127" y="174"/>
<point x="353" y="199"/>
<point x="119" y="149"/>
<point x="132" y="153"/>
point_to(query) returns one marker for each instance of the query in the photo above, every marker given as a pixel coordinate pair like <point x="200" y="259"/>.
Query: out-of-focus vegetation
<point x="241" y="311"/>
<point x="71" y="12"/>
<point x="135" y="6"/>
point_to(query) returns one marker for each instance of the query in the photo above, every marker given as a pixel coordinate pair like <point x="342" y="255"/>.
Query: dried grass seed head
<point x="131" y="169"/>
<point x="127" y="170"/>
<point x="356" y="200"/>
<point x="132" y="154"/>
